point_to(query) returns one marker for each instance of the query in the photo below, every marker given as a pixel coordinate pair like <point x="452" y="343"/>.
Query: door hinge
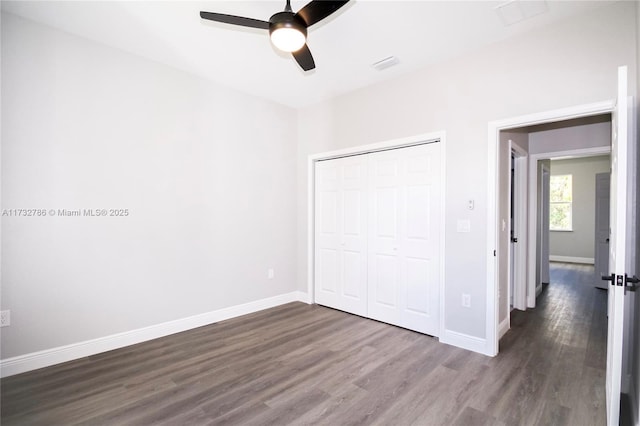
<point x="494" y="253"/>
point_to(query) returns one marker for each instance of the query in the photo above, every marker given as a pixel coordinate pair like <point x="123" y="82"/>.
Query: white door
<point x="341" y="234"/>
<point x="601" y="250"/>
<point x="404" y="237"/>
<point x="622" y="168"/>
<point x="518" y="229"/>
<point x="513" y="238"/>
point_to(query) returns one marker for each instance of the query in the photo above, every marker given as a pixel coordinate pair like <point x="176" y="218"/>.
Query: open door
<point x="518" y="231"/>
<point x="622" y="168"/>
<point x="601" y="231"/>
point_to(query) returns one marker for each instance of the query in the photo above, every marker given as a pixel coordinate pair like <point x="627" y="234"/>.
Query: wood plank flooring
<point x="299" y="364"/>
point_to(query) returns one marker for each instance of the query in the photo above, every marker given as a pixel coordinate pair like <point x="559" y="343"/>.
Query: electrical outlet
<point x="5" y="318"/>
<point x="466" y="300"/>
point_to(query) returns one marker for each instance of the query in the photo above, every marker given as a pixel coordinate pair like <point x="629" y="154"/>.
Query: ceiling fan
<point x="288" y="30"/>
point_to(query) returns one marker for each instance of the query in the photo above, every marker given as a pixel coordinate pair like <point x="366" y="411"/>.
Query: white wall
<point x="580" y="242"/>
<point x="207" y="173"/>
<point x="570" y="63"/>
<point x="591" y="132"/>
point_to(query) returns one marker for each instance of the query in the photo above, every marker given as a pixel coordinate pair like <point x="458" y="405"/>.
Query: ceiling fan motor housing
<point x="287" y="20"/>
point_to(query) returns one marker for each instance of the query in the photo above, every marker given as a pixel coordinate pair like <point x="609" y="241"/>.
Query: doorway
<point x="494" y="229"/>
<point x="623" y="237"/>
<point x="525" y="153"/>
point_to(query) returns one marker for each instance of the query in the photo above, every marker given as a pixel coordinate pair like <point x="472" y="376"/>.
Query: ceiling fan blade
<point x="317" y="10"/>
<point x="235" y="20"/>
<point x="304" y="58"/>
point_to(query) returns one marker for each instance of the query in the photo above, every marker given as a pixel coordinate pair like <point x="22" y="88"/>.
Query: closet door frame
<point x="435" y="137"/>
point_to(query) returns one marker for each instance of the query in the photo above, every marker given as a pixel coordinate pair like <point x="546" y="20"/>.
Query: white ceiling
<point x="344" y="46"/>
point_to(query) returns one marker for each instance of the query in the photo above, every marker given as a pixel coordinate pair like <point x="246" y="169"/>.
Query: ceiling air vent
<point x="385" y="63"/>
<point x="514" y="11"/>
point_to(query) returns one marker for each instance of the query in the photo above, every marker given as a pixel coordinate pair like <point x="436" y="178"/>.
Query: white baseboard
<point x="572" y="259"/>
<point x="503" y="327"/>
<point x="465" y="341"/>
<point x="48" y="357"/>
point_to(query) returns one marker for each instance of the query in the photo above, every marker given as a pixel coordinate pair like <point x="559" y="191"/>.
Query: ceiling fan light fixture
<point x="287" y="32"/>
<point x="288" y="39"/>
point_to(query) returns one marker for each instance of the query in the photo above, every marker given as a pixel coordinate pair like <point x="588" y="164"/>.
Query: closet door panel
<point x="340" y="234"/>
<point x="421" y="227"/>
<point x="385" y="282"/>
<point x="417" y="292"/>
<point x="385" y="208"/>
<point x="327" y="233"/>
<point x="377" y="236"/>
<point x="354" y="235"/>
<point x="404" y="222"/>
<point x="352" y="273"/>
<point x="327" y="267"/>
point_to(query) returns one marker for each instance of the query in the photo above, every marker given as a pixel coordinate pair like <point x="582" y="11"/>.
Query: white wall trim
<point x="492" y="316"/>
<point x="380" y="146"/>
<point x="443" y="223"/>
<point x="439" y="136"/>
<point x="493" y="140"/>
<point x="572" y="259"/>
<point x="48" y="357"/>
<point x="504" y="327"/>
<point x="465" y="341"/>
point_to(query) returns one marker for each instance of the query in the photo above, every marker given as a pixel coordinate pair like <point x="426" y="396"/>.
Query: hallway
<point x="563" y="341"/>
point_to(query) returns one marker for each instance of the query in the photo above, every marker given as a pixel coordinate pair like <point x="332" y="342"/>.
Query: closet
<point x="377" y="235"/>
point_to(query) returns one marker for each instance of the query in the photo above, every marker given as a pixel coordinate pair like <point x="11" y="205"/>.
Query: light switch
<point x="464" y="225"/>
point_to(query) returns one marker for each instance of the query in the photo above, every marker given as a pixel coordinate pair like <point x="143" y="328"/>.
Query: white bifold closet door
<point x="341" y="234"/>
<point x="404" y="237"/>
<point x="377" y="236"/>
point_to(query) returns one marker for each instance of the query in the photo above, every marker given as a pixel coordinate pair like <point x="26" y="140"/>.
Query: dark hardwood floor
<point x="300" y="364"/>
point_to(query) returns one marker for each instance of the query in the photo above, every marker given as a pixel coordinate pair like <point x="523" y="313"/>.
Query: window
<point x="560" y="206"/>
